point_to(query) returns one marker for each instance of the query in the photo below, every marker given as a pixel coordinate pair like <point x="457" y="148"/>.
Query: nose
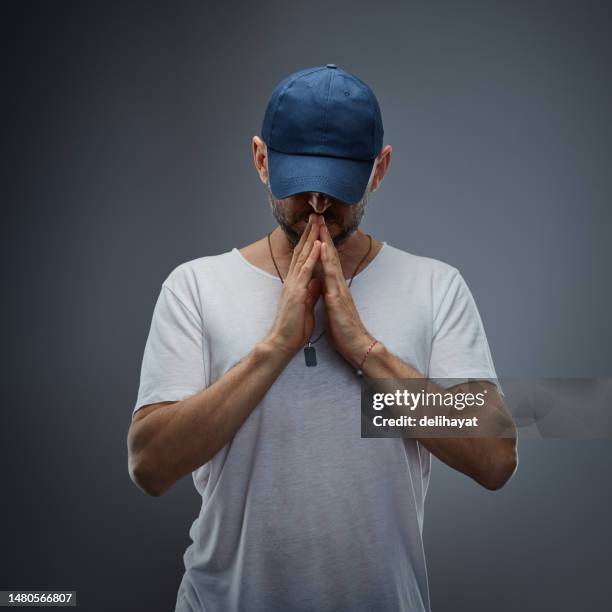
<point x="319" y="201"/>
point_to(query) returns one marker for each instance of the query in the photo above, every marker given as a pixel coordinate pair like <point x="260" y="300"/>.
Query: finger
<point x="330" y="276"/>
<point x="330" y="258"/>
<point x="305" y="273"/>
<point x="303" y="241"/>
<point x="306" y="250"/>
<point x="332" y="251"/>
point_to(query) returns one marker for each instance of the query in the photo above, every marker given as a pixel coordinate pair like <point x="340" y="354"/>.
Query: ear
<point x="382" y="165"/>
<point x="260" y="158"/>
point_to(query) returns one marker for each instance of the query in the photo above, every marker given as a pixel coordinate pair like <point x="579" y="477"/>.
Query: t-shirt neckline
<point x="242" y="258"/>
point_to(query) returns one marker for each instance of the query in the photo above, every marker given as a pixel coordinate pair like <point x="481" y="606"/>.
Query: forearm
<point x="490" y="461"/>
<point x="177" y="439"/>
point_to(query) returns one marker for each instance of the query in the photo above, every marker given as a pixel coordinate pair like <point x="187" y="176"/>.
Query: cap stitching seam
<point x="373" y="105"/>
<point x="374" y="131"/>
<point x="300" y="179"/>
<point x="326" y="108"/>
<point x="369" y="159"/>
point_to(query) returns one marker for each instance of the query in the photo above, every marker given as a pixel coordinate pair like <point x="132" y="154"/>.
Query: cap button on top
<point x="332" y="66"/>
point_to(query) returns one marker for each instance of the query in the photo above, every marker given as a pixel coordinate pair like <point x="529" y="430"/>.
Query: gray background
<point x="127" y="152"/>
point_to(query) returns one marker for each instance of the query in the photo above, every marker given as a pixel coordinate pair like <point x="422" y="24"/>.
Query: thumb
<point x="314" y="291"/>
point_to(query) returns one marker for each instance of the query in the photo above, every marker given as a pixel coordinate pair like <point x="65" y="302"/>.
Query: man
<point x="250" y="379"/>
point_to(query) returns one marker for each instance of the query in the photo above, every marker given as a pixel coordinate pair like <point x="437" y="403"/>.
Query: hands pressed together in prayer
<point x="303" y="286"/>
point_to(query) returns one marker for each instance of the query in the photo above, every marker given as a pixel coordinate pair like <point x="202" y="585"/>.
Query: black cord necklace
<point x="310" y="354"/>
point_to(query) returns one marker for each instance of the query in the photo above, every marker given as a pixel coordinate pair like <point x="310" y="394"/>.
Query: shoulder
<point x="186" y="278"/>
<point x="436" y="272"/>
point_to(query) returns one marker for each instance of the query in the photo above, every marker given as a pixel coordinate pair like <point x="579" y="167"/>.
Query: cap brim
<point x="343" y="179"/>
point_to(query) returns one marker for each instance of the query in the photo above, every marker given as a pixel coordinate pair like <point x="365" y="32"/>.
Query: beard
<point x="348" y="227"/>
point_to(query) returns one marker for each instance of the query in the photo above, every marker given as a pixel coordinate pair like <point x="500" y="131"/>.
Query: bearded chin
<point x="344" y="234"/>
<point x="294" y="237"/>
<point x="291" y="234"/>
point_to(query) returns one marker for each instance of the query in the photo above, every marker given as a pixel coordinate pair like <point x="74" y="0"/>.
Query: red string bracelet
<point x="359" y="371"/>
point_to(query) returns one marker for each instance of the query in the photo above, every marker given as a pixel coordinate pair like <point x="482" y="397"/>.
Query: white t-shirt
<point x="299" y="512"/>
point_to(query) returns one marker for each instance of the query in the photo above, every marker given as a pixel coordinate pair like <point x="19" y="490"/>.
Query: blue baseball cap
<point x="323" y="131"/>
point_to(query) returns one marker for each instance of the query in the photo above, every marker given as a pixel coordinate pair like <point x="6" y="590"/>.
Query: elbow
<point x="146" y="478"/>
<point x="501" y="468"/>
<point x="143" y="466"/>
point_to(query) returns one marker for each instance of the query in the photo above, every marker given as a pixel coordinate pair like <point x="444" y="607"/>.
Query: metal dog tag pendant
<point x="310" y="355"/>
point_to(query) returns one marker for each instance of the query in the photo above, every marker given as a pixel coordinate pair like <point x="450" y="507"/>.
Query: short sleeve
<point x="173" y="362"/>
<point x="459" y="347"/>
